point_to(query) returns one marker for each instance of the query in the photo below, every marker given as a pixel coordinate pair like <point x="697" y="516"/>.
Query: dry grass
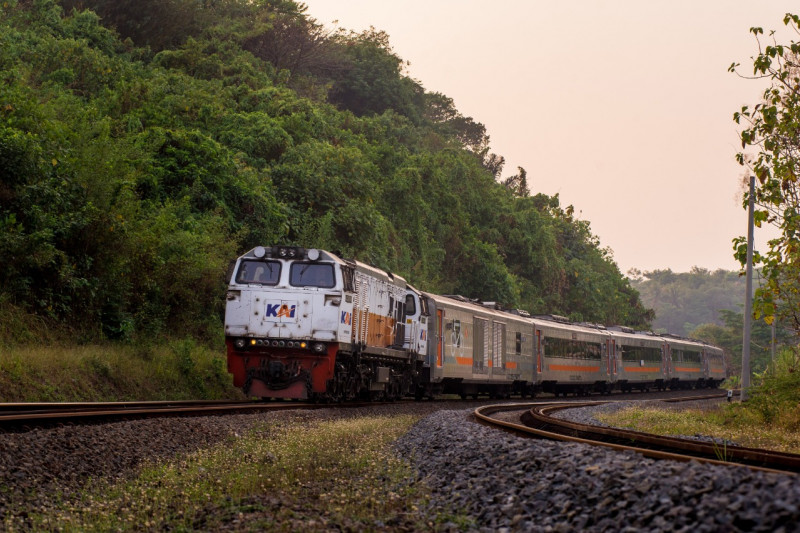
<point x="726" y="422"/>
<point x="296" y="476"/>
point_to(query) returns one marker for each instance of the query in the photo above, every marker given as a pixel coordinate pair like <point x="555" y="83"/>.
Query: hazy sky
<point x="622" y="107"/>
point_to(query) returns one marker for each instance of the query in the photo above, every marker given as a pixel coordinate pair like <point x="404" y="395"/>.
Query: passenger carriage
<point x="640" y="359"/>
<point x="686" y="368"/>
<point x="477" y="349"/>
<point x="572" y="357"/>
<point x="714" y="365"/>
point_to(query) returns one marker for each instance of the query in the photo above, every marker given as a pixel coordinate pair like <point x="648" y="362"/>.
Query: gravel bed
<point x="502" y="481"/>
<point x="588" y="415"/>
<point x="40" y="467"/>
<point x="507" y="483"/>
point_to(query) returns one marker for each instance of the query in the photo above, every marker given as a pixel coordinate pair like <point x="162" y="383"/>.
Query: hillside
<point x="684" y="300"/>
<point x="139" y="158"/>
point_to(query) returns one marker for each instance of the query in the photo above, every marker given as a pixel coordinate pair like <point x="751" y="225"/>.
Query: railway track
<point x="24" y="416"/>
<point x="536" y="420"/>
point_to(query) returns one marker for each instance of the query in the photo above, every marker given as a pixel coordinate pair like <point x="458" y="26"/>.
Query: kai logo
<point x="281" y="310"/>
<point x="423" y="335"/>
<point x="347" y="318"/>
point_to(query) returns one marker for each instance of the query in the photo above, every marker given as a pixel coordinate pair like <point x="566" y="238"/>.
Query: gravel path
<point x="512" y="484"/>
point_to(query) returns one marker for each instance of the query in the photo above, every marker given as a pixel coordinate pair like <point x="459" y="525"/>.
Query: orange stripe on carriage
<point x="511" y="365"/>
<point x="642" y="369"/>
<point x="466" y="361"/>
<point x="686" y="369"/>
<point x="574" y="368"/>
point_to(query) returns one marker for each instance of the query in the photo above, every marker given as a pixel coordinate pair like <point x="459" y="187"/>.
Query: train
<point x="305" y="324"/>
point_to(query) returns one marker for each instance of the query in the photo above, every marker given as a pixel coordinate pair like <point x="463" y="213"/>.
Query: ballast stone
<point x="503" y="481"/>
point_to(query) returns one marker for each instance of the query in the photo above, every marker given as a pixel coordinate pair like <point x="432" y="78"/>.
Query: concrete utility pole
<point x="772" y="348"/>
<point x="748" y="300"/>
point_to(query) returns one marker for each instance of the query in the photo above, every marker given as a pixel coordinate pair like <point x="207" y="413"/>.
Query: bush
<point x="776" y="397"/>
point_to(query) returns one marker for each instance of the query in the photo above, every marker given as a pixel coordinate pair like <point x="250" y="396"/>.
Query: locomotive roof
<point x="298" y="253"/>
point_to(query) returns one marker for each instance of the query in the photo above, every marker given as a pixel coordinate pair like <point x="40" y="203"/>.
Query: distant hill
<point x="683" y="301"/>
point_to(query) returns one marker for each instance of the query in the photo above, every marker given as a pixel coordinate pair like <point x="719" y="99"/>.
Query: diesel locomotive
<point x="306" y="324"/>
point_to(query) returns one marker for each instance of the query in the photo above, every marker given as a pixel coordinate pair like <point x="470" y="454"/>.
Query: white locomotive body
<point x="306" y="324"/>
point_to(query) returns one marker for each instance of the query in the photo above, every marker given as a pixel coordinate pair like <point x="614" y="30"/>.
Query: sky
<point x="621" y="107"/>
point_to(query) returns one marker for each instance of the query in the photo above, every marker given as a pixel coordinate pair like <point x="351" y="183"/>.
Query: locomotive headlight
<point x="239" y="343"/>
<point x="252" y="342"/>
<point x="302" y="344"/>
<point x="313" y="254"/>
<point x="318" y="347"/>
<point x="259" y="251"/>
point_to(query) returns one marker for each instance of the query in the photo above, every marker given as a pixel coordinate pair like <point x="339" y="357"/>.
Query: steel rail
<point x="649" y="445"/>
<point x="81" y="413"/>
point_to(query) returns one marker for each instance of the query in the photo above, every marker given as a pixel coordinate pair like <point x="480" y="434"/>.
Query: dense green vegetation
<point x="708" y="306"/>
<point x="770" y="152"/>
<point x="139" y="158"/>
<point x="684" y="300"/>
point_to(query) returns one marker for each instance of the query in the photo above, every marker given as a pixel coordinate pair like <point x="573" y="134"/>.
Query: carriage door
<point x="539" y="352"/>
<point x="480" y="344"/>
<point x="439" y="337"/>
<point x="611" y="353"/>
<point x="498" y="346"/>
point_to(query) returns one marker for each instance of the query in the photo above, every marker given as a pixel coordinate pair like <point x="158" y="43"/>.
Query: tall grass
<point x="180" y="369"/>
<point x="776" y="396"/>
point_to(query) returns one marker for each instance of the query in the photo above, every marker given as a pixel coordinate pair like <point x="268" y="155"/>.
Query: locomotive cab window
<point x="262" y="272"/>
<point x="312" y="275"/>
<point x="411" y="305"/>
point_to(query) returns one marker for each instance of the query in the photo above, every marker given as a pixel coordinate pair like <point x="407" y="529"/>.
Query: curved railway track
<point x="23" y="416"/>
<point x="536" y="421"/>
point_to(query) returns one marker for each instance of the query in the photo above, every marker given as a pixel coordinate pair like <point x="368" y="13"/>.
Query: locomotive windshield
<point x="263" y="272"/>
<point x="312" y="275"/>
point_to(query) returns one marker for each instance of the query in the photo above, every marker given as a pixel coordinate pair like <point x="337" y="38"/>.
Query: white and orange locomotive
<point x="306" y="324"/>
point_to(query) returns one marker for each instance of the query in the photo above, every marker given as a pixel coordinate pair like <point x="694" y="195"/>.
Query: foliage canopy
<point x="140" y="157"/>
<point x="771" y="151"/>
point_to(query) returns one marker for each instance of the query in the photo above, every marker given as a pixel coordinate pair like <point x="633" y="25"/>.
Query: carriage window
<point x="691" y="357"/>
<point x="312" y="275"/>
<point x="573" y="349"/>
<point x="641" y="353"/>
<point x="263" y="272"/>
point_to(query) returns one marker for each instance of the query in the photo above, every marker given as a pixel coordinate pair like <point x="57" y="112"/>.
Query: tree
<point x="772" y="129"/>
<point x="518" y="183"/>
